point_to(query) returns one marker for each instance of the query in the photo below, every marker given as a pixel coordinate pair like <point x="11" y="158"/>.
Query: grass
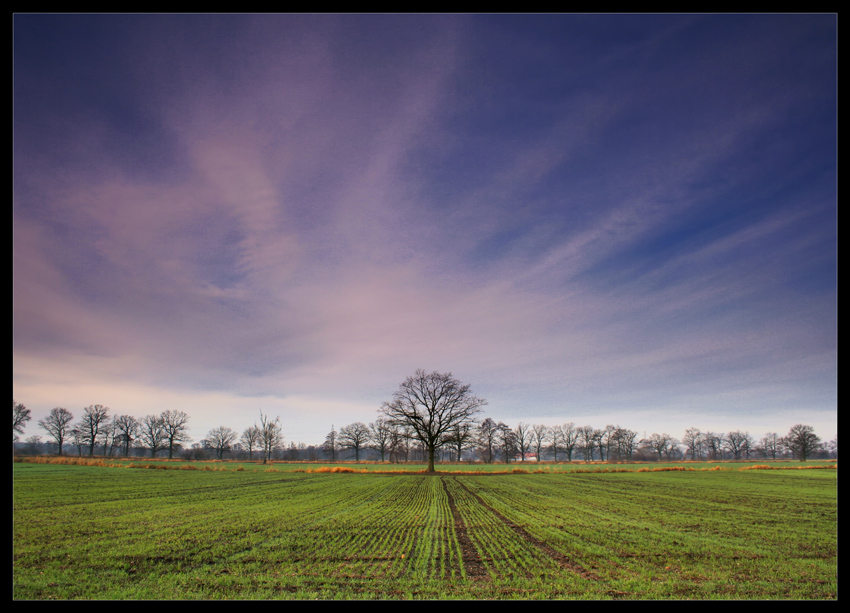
<point x="94" y="532"/>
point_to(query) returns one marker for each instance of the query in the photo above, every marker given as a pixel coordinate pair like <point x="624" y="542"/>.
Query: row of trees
<point x="488" y="441"/>
<point x="113" y="434"/>
<point x="432" y="416"/>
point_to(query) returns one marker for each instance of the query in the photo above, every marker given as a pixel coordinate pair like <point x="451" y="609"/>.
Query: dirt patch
<point x="472" y="564"/>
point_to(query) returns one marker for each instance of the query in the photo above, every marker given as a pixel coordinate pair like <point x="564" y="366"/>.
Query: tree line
<point x="432" y="417"/>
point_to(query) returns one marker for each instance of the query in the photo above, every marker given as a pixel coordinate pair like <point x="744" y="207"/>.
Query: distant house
<point x="529" y="457"/>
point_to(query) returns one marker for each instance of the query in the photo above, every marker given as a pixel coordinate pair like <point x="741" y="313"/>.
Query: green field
<point x="119" y="533"/>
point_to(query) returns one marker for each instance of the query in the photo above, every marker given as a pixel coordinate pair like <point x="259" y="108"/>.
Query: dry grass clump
<point x="335" y="469"/>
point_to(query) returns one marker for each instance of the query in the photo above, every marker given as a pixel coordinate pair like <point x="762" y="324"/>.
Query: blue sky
<point x="603" y="219"/>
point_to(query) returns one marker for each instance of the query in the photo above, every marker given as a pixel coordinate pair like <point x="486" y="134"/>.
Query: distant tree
<point x="554" y="437"/>
<point x="770" y="445"/>
<point x="175" y="427"/>
<point x="354" y="436"/>
<point x="152" y="434"/>
<point x="659" y="443"/>
<point x="58" y="423"/>
<point x="832" y="447"/>
<point x="737" y="443"/>
<point x="488" y="436"/>
<point x="400" y="443"/>
<point x="802" y="441"/>
<point x="714" y="444"/>
<point x="523" y="436"/>
<point x="330" y="445"/>
<point x="608" y="441"/>
<point x="109" y="437"/>
<point x="600" y="437"/>
<point x="251" y="439"/>
<point x="625" y="440"/>
<point x="34" y="444"/>
<point x="78" y="437"/>
<point x="460" y="438"/>
<point x="539" y="432"/>
<point x="127" y="430"/>
<point x="271" y="436"/>
<point x="507" y="441"/>
<point x="20" y="417"/>
<point x="431" y="404"/>
<point x="693" y="442"/>
<point x="587" y="441"/>
<point x="94" y="419"/>
<point x="220" y="440"/>
<point x="570" y="439"/>
<point x="380" y="436"/>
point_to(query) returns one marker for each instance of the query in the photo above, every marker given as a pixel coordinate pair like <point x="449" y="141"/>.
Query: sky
<point x="598" y="219"/>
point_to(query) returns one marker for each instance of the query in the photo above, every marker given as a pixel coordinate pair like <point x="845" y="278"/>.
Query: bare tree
<point x="127" y="427"/>
<point x="431" y="405"/>
<point x="330" y="445"/>
<point x="714" y="443"/>
<point x="354" y="436"/>
<point x="770" y="445"/>
<point x="460" y="437"/>
<point x="802" y="441"/>
<point x="399" y="443"/>
<point x="20" y="417"/>
<point x="107" y="437"/>
<point x="221" y="439"/>
<point x="79" y="439"/>
<point x="152" y="434"/>
<point x="659" y="443"/>
<point x="94" y="419"/>
<point x="737" y="443"/>
<point x="539" y="432"/>
<point x="587" y="442"/>
<point x="271" y="435"/>
<point x="251" y="438"/>
<point x="625" y="442"/>
<point x="507" y="441"/>
<point x="488" y="433"/>
<point x="380" y="436"/>
<point x="693" y="440"/>
<point x="832" y="447"/>
<point x="570" y="439"/>
<point x="523" y="435"/>
<point x="175" y="427"/>
<point x="58" y="423"/>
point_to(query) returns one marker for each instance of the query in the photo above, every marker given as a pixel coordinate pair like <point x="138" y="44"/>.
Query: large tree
<point x="802" y="441"/>
<point x="58" y="424"/>
<point x="431" y="404"/>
